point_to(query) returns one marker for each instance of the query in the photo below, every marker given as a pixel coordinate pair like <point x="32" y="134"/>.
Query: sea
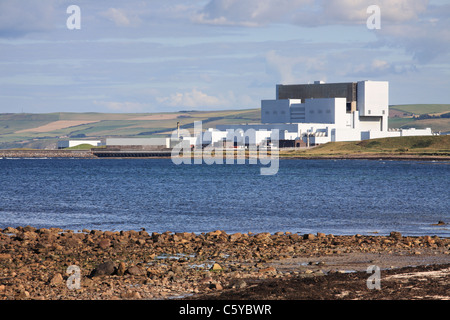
<point x="340" y="197"/>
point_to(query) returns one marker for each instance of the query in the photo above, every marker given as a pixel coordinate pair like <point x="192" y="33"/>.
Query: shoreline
<point x="87" y="154"/>
<point x="215" y="265"/>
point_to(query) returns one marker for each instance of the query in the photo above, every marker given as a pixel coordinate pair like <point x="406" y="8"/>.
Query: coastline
<point x="87" y="154"/>
<point x="215" y="265"/>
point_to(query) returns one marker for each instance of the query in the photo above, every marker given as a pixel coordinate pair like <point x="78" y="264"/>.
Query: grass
<point x="417" y="146"/>
<point x="422" y="108"/>
<point x="437" y="124"/>
<point x="84" y="146"/>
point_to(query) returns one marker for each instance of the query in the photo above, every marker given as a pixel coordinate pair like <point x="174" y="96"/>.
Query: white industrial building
<point x="319" y="113"/>
<point x="151" y="142"/>
<point x="73" y="143"/>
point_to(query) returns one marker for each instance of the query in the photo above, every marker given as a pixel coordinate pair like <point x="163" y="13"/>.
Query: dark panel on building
<point x="315" y="91"/>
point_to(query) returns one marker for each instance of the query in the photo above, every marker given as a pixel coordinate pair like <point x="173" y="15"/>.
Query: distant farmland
<point x="44" y="130"/>
<point x="408" y="116"/>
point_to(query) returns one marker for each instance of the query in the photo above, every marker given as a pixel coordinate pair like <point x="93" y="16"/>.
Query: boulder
<point x="121" y="269"/>
<point x="309" y="236"/>
<point x="321" y="235"/>
<point x="235" y="236"/>
<point x="396" y="235"/>
<point x="105" y="268"/>
<point x="216" y="267"/>
<point x="216" y="286"/>
<point x="104" y="243"/>
<point x="56" y="280"/>
<point x="135" y="271"/>
<point x="11" y="230"/>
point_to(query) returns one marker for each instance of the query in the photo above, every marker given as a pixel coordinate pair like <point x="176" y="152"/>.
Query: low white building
<point x="153" y="142"/>
<point x="73" y="143"/>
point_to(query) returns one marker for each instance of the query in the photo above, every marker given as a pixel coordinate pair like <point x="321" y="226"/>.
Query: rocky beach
<point x="56" y="264"/>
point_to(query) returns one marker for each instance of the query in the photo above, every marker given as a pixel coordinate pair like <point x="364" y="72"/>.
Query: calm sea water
<point x="339" y="197"/>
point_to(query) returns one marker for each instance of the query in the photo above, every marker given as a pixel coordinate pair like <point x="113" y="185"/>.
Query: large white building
<point x="320" y="113"/>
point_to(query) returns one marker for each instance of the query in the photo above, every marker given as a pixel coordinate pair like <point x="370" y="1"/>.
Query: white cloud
<point x="355" y="11"/>
<point x="120" y="17"/>
<point x="193" y="99"/>
<point x="249" y="13"/>
<point x="126" y="106"/>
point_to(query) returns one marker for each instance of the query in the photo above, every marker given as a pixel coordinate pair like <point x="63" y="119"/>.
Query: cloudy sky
<point x="171" y="55"/>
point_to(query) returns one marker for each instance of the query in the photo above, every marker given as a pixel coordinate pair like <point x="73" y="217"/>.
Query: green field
<point x="407" y="120"/>
<point x="44" y="130"/>
<point x="418" y="146"/>
<point x="422" y="108"/>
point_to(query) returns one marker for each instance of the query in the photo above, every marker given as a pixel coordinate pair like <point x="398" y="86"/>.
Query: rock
<point x="29" y="229"/>
<point x="235" y="236"/>
<point x="131" y="295"/>
<point x="5" y="256"/>
<point x="96" y="233"/>
<point x="106" y="268"/>
<point x="177" y="269"/>
<point x="11" y="230"/>
<point x="23" y="294"/>
<point x="262" y="235"/>
<point x="216" y="286"/>
<point x="56" y="280"/>
<point x="121" y="269"/>
<point x="271" y="270"/>
<point x="240" y="284"/>
<point x="135" y="271"/>
<point x="321" y="235"/>
<point x="104" y="243"/>
<point x="214" y="233"/>
<point x="309" y="236"/>
<point x="396" y="235"/>
<point x="216" y="267"/>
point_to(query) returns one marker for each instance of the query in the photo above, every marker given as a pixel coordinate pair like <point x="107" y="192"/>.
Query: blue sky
<point x="171" y="55"/>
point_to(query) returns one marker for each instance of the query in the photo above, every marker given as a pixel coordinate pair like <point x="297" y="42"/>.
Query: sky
<point x="171" y="55"/>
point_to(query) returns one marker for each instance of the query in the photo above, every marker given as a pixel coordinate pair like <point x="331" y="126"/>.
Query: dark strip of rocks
<point x="46" y="154"/>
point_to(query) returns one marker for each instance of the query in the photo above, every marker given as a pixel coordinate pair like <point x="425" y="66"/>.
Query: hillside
<point x="408" y="146"/>
<point x="44" y="130"/>
<point x="420" y="116"/>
